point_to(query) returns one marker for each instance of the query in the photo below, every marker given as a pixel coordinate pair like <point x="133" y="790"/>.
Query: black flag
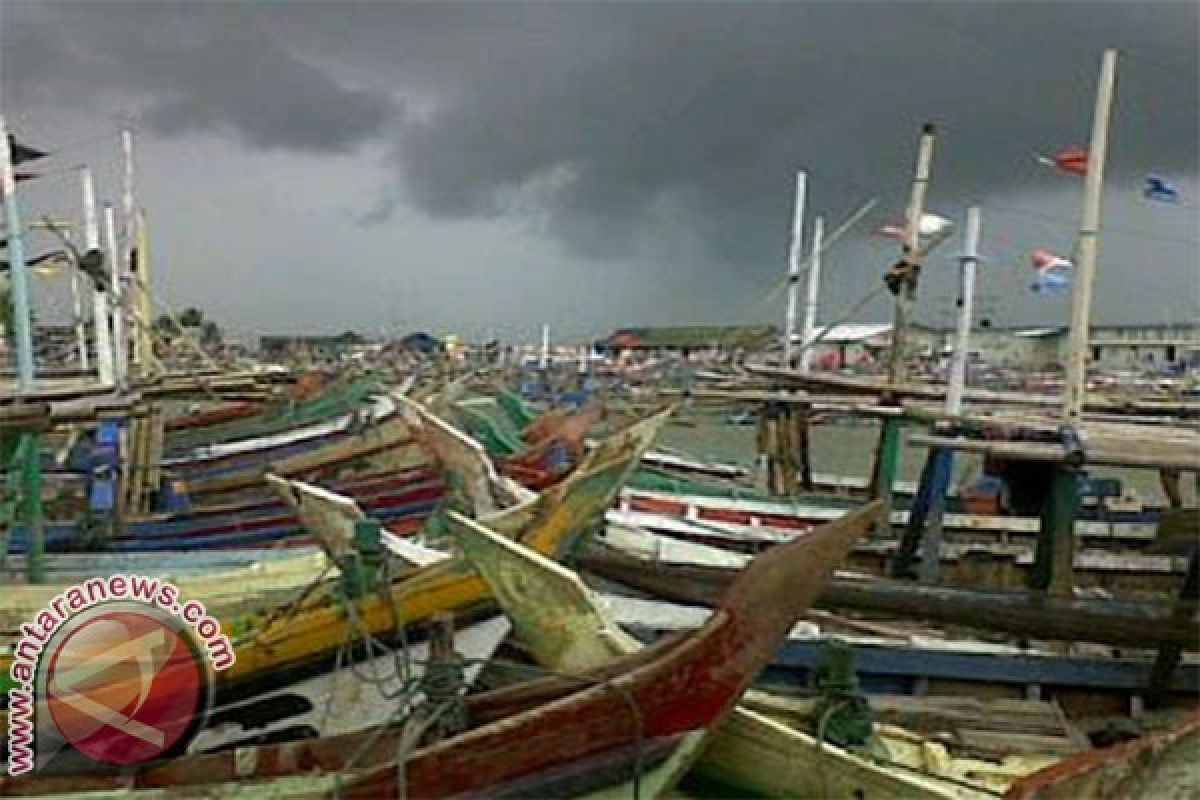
<point x="23" y="152"/>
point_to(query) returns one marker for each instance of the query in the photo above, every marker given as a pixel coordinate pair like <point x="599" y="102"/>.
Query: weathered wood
<point x="1185" y="612"/>
<point x="688" y="687"/>
<point x="1020" y="613"/>
<point x="854" y="384"/>
<point x="1148" y="768"/>
<point x="1137" y="448"/>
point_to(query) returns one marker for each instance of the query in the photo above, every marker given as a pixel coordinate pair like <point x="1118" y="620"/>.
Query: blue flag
<point x="1157" y="189"/>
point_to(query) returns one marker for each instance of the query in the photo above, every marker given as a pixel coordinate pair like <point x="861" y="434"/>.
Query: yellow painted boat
<point x="223" y="592"/>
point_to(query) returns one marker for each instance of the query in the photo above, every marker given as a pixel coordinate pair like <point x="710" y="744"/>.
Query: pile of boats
<point x="433" y="589"/>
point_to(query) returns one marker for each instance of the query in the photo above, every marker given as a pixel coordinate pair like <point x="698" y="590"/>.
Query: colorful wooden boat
<point x="1082" y="684"/>
<point x="210" y="417"/>
<point x="649" y="699"/>
<point x="399" y="497"/>
<point x="704" y="570"/>
<point x="336" y="399"/>
<point x="255" y="586"/>
<point x="268" y="647"/>
<point x="568" y="629"/>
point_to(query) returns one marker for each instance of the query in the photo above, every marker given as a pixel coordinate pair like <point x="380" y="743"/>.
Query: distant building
<point x="1035" y="348"/>
<point x="839" y="346"/>
<point x="687" y="339"/>
<point x="324" y="347"/>
<point x="1140" y="347"/>
<point x="1150" y="347"/>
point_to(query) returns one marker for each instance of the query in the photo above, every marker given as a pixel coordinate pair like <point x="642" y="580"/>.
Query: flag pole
<point x="1089" y="229"/>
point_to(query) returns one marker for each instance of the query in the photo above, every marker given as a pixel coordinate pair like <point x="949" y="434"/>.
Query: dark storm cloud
<point x="657" y="142"/>
<point x="713" y="106"/>
<point x="185" y="69"/>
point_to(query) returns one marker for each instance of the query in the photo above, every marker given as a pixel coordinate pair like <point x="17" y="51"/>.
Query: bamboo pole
<point x="101" y="323"/>
<point x="81" y="344"/>
<point x="1089" y="230"/>
<point x="794" y="257"/>
<point x="141" y="282"/>
<point x="812" y="294"/>
<point x="888" y="451"/>
<point x="906" y="296"/>
<point x="117" y="298"/>
<point x="22" y="322"/>
<point x="131" y="291"/>
<point x="966" y="299"/>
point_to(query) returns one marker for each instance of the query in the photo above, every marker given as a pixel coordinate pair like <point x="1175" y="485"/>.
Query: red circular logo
<point x="124" y="684"/>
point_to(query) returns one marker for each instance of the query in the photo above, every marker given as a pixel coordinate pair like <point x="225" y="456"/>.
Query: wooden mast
<point x="101" y="322"/>
<point x="794" y="257"/>
<point x="22" y="322"/>
<point x="888" y="454"/>
<point x="1089" y="230"/>
<point x="941" y="459"/>
<point x="907" y="295"/>
<point x="966" y="300"/>
<point x="812" y="293"/>
<point x="1055" y="556"/>
<point x="117" y="295"/>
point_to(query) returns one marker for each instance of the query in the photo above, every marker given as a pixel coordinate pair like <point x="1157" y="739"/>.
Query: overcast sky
<point x="474" y="168"/>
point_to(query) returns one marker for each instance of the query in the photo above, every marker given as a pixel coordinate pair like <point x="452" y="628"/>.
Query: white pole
<point x="100" y="318"/>
<point x="794" y="254"/>
<point x="1089" y="227"/>
<point x="77" y="309"/>
<point x="544" y="360"/>
<point x="966" y="300"/>
<point x="813" y="291"/>
<point x="18" y="269"/>
<point x="117" y="292"/>
<point x="131" y="290"/>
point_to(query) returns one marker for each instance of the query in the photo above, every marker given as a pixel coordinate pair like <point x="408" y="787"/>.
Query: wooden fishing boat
<point x="1083" y="683"/>
<point x="568" y="629"/>
<point x="1151" y="767"/>
<point x="388" y="444"/>
<point x="269" y="648"/>
<point x="335" y="400"/>
<point x="650" y="699"/>
<point x="400" y="497"/>
<point x="702" y="571"/>
<point x="254" y="586"/>
<point x="210" y="417"/>
<point x="722" y="505"/>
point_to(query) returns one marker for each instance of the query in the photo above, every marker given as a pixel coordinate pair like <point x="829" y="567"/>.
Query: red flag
<point x="1072" y="160"/>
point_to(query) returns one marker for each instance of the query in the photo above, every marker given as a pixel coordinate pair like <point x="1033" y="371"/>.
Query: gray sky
<point x="475" y="168"/>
